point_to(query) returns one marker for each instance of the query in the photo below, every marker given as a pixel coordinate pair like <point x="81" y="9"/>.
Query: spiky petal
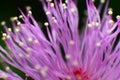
<point x="63" y="54"/>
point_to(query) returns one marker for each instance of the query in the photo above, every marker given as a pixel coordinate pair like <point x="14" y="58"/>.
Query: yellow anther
<point x="72" y="10"/>
<point x="52" y="4"/>
<point x="35" y="41"/>
<point x="110" y="11"/>
<point x="8" y="36"/>
<point x="30" y="12"/>
<point x="3" y="38"/>
<point x="7" y="68"/>
<point x="93" y="0"/>
<point x="13" y="18"/>
<point x="66" y="1"/>
<point x="4" y="76"/>
<point x="54" y="19"/>
<point x="102" y="1"/>
<point x="28" y="49"/>
<point x="98" y="44"/>
<point x="20" y="16"/>
<point x="3" y="23"/>
<point x="9" y="29"/>
<point x="118" y="16"/>
<point x="28" y="8"/>
<point x="44" y="71"/>
<point x="28" y="55"/>
<point x="20" y="43"/>
<point x="4" y="34"/>
<point x="29" y="39"/>
<point x="75" y="63"/>
<point x="17" y="29"/>
<point x="46" y="23"/>
<point x="48" y="12"/>
<point x="37" y="67"/>
<point x="68" y="56"/>
<point x="48" y="0"/>
<point x="89" y="25"/>
<point x="96" y="24"/>
<point x="72" y="42"/>
<point x="20" y="55"/>
<point x="18" y="23"/>
<point x="64" y="6"/>
<point x="111" y="21"/>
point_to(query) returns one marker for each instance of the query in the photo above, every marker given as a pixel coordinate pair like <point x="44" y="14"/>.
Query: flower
<point x="63" y="54"/>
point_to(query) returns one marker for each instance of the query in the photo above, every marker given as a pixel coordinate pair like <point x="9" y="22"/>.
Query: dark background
<point x="9" y="8"/>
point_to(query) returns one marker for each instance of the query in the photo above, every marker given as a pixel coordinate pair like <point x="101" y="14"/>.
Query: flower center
<point x="79" y="75"/>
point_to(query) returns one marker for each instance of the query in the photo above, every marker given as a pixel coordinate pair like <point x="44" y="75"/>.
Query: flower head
<point x="63" y="54"/>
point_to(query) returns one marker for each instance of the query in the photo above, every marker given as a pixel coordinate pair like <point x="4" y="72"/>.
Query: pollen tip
<point x="52" y="4"/>
<point x="4" y="76"/>
<point x="44" y="71"/>
<point x="13" y="18"/>
<point x="68" y="56"/>
<point x="35" y="41"/>
<point x="72" y="42"/>
<point x="111" y="21"/>
<point x="75" y="63"/>
<point x="20" y="55"/>
<point x="3" y="23"/>
<point x="7" y="68"/>
<point x="64" y="6"/>
<point x="98" y="44"/>
<point x="48" y="12"/>
<point x="29" y="39"/>
<point x="20" y="16"/>
<point x="118" y="16"/>
<point x="9" y="29"/>
<point x="110" y="11"/>
<point x="102" y="1"/>
<point x="46" y="23"/>
<point x="72" y="10"/>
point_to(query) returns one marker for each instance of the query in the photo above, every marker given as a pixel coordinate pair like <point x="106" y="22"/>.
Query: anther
<point x="20" y="55"/>
<point x="102" y="1"/>
<point x="118" y="16"/>
<point x="64" y="6"/>
<point x="29" y="39"/>
<point x="37" y="67"/>
<point x="44" y="71"/>
<point x="7" y="68"/>
<point x="52" y="4"/>
<point x="46" y="23"/>
<point x="72" y="10"/>
<point x="35" y="41"/>
<point x="3" y="23"/>
<point x="98" y="44"/>
<point x="47" y="12"/>
<point x="72" y="42"/>
<point x="13" y="18"/>
<point x="4" y="76"/>
<point x="110" y="11"/>
<point x="68" y="56"/>
<point x="9" y="29"/>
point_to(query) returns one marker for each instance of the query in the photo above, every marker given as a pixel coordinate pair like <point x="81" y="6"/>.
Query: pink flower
<point x="63" y="54"/>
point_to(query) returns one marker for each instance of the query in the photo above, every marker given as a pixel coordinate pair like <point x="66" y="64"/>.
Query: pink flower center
<point x="79" y="75"/>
